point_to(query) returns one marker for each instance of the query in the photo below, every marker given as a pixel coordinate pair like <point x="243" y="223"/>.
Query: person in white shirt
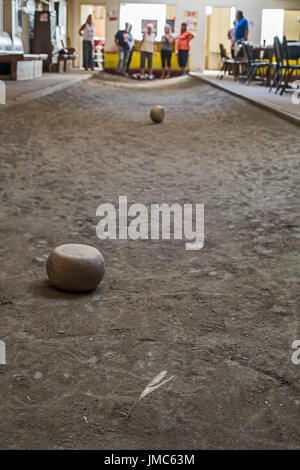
<point x="87" y="31"/>
<point x="147" y="48"/>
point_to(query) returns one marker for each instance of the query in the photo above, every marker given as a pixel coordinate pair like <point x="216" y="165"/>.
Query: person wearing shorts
<point x="147" y="48"/>
<point x="183" y="47"/>
<point x="146" y="62"/>
<point x="166" y="52"/>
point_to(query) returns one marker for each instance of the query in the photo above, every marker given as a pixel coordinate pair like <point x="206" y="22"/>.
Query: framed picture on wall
<point x="145" y="24"/>
<point x="171" y="23"/>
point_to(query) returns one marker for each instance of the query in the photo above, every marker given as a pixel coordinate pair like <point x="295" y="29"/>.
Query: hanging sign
<point x="113" y="15"/>
<point x="191" y="14"/>
<point x="192" y="25"/>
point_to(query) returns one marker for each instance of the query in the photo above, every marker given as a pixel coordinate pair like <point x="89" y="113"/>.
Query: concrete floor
<point x="256" y="93"/>
<point x="26" y="90"/>
<point x="221" y="320"/>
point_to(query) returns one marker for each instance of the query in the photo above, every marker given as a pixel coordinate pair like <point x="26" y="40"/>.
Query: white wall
<point x="252" y="11"/>
<point x="135" y="13"/>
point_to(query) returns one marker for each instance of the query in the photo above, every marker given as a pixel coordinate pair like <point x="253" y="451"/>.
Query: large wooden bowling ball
<point x="157" y="114"/>
<point x="75" y="267"/>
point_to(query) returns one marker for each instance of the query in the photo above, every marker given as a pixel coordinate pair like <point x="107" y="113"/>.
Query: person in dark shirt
<point x="131" y="46"/>
<point x="241" y="28"/>
<point x="122" y="41"/>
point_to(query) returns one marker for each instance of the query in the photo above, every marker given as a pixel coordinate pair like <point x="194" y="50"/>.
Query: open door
<point x="98" y="13"/>
<point x="219" y="20"/>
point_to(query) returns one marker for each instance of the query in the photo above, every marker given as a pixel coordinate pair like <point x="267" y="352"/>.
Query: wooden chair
<point x="66" y="61"/>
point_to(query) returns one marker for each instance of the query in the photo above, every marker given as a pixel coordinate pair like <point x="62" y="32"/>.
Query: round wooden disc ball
<point x="157" y="114"/>
<point x="75" y="267"/>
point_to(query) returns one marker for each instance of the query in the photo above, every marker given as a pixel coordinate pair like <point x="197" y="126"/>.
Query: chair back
<point x="223" y="52"/>
<point x="248" y="52"/>
<point x="285" y="50"/>
<point x="268" y="54"/>
<point x="278" y="51"/>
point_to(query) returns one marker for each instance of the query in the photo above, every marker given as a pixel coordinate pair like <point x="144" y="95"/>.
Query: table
<point x="294" y="50"/>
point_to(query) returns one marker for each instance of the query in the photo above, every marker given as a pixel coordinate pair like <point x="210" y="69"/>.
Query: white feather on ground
<point x="155" y="383"/>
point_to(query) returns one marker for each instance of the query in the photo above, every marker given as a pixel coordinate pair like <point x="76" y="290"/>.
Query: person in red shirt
<point x="183" y="47"/>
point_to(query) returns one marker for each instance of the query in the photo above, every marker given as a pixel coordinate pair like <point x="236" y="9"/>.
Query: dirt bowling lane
<point x="221" y="320"/>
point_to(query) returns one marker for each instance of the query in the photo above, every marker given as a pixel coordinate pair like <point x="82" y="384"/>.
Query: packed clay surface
<point x="222" y="320"/>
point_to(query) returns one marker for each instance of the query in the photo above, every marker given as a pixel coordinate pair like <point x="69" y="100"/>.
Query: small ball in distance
<point x="75" y="267"/>
<point x="157" y="114"/>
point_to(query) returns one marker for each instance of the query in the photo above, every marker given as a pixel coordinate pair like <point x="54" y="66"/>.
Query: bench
<point x="16" y="65"/>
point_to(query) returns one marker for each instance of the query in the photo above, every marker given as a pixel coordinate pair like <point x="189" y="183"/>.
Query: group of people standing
<point x="148" y="48"/>
<point x="125" y="42"/>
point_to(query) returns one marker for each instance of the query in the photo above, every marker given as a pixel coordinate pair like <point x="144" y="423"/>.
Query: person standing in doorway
<point x="148" y="48"/>
<point x="166" y="52"/>
<point x="87" y="31"/>
<point x="183" y="47"/>
<point x="122" y="41"/>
